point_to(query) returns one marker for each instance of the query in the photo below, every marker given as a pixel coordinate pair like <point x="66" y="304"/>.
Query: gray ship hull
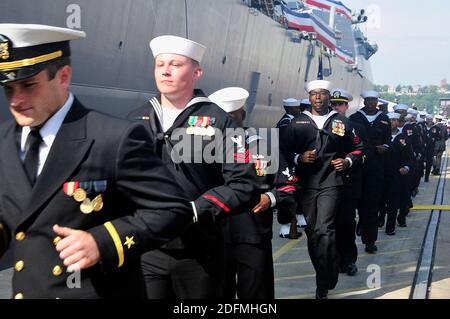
<point x="113" y="65"/>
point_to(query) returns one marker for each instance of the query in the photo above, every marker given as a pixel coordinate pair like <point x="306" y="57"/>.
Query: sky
<point x="413" y="37"/>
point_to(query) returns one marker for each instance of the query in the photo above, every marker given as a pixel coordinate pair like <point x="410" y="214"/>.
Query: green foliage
<point x="427" y="97"/>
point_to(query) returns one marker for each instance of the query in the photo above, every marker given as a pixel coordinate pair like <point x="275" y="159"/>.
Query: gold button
<point x="19" y="266"/>
<point x="57" y="271"/>
<point x="19" y="296"/>
<point x="20" y="236"/>
<point x="56" y="240"/>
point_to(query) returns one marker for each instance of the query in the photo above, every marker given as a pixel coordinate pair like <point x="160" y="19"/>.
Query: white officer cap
<point x="305" y="102"/>
<point x="429" y="116"/>
<point x="319" y="84"/>
<point x="412" y="111"/>
<point x="393" y="115"/>
<point x="369" y="94"/>
<point x="341" y="95"/>
<point x="177" y="45"/>
<point x="26" y="49"/>
<point x="291" y="102"/>
<point x="400" y="107"/>
<point x="230" y="99"/>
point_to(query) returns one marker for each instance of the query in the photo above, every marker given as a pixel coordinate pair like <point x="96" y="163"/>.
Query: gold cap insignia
<point x="4" y="51"/>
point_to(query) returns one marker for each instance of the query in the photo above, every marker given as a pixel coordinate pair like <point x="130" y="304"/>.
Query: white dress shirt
<point x="48" y="133"/>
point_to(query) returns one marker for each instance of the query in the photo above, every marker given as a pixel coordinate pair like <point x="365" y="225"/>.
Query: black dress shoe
<point x="401" y="222"/>
<point x="371" y="248"/>
<point x="321" y="293"/>
<point x="380" y="223"/>
<point x="352" y="269"/>
<point x="342" y="269"/>
<point x="390" y="233"/>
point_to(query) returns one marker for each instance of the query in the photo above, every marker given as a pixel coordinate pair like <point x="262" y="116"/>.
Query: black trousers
<point x="176" y="274"/>
<point x="320" y="208"/>
<point x="429" y="161"/>
<point x="438" y="160"/>
<point x="373" y="188"/>
<point x="249" y="271"/>
<point x="346" y="227"/>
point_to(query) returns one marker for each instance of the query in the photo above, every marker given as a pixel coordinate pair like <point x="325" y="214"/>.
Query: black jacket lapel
<point x="68" y="150"/>
<point x="19" y="187"/>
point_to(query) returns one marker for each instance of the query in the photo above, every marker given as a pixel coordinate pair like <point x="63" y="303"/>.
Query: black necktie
<point x="31" y="162"/>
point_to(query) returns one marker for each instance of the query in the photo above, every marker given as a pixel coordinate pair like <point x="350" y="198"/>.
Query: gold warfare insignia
<point x="4" y="51"/>
<point x="338" y="128"/>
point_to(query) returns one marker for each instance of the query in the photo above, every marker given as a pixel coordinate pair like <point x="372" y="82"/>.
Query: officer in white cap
<point x="345" y="221"/>
<point x="63" y="164"/>
<point x="439" y="146"/>
<point x="378" y="130"/>
<point x="318" y="139"/>
<point x="433" y="134"/>
<point x="415" y="137"/>
<point x="183" y="117"/>
<point x="400" y="160"/>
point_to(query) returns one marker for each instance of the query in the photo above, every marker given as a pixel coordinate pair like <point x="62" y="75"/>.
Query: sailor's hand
<point x="308" y="157"/>
<point x="340" y="164"/>
<point x="263" y="205"/>
<point x="404" y="171"/>
<point x="78" y="249"/>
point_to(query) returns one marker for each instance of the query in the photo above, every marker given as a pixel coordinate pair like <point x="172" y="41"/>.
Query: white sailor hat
<point x="438" y="117"/>
<point x="177" y="45"/>
<point x="412" y="111"/>
<point x="230" y="99"/>
<point x="408" y="117"/>
<point x="422" y="113"/>
<point x="340" y="95"/>
<point x="26" y="49"/>
<point x="305" y="102"/>
<point x="370" y="94"/>
<point x="400" y="107"/>
<point x="429" y="116"/>
<point x="393" y="115"/>
<point x="319" y="84"/>
<point x="291" y="102"/>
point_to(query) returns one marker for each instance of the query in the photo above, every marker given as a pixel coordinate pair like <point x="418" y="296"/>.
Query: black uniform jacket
<point x="336" y="140"/>
<point x="400" y="154"/>
<point x="412" y="132"/>
<point x="249" y="227"/>
<point x="378" y="133"/>
<point x="216" y="188"/>
<point x="142" y="206"/>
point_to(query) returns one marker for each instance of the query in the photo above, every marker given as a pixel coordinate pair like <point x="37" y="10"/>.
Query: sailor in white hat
<point x="317" y="141"/>
<point x="370" y="94"/>
<point x="232" y="100"/>
<point x="218" y="179"/>
<point x="292" y="108"/>
<point x="399" y="159"/>
<point x="60" y="167"/>
<point x="305" y="104"/>
<point x="246" y="233"/>
<point x="377" y="126"/>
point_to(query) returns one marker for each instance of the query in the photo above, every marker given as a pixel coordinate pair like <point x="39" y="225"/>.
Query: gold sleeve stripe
<point x="31" y="61"/>
<point x="117" y="242"/>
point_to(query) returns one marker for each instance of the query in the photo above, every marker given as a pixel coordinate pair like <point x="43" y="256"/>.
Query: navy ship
<point x="271" y="48"/>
